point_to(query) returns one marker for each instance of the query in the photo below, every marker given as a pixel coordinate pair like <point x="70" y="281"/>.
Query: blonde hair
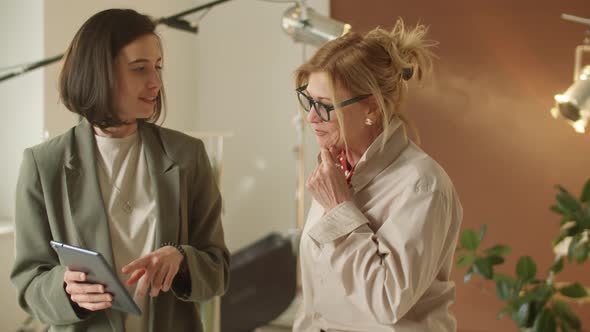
<point x="379" y="63"/>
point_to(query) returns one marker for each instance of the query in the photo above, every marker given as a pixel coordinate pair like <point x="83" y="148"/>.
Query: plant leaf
<point x="498" y="249"/>
<point x="526" y="269"/>
<point x="575" y="290"/>
<point x="542" y="293"/>
<point x="585" y="197"/>
<point x="495" y="259"/>
<point x="504" y="289"/>
<point x="545" y="322"/>
<point x="557" y="209"/>
<point x="483" y="267"/>
<point x="565" y="314"/>
<point x="567" y="202"/>
<point x="469" y="240"/>
<point x="571" y="248"/>
<point x="557" y="265"/>
<point x="466" y="259"/>
<point x="521" y="315"/>
<point x="581" y="253"/>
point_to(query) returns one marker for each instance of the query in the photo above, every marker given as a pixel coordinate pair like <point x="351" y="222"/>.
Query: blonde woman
<point x="378" y="244"/>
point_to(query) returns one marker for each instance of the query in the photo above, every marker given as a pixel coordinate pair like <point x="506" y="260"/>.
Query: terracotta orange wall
<point x="485" y="118"/>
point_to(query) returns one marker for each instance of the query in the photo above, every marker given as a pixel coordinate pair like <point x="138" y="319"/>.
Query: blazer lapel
<point x="84" y="196"/>
<point x="86" y="204"/>
<point x="165" y="177"/>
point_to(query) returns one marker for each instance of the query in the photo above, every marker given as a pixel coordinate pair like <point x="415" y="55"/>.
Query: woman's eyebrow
<point x="141" y="60"/>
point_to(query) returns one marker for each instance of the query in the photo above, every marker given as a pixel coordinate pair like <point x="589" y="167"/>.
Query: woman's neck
<point x="356" y="151"/>
<point x="117" y="132"/>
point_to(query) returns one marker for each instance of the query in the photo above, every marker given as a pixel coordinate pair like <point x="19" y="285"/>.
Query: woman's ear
<point x="372" y="110"/>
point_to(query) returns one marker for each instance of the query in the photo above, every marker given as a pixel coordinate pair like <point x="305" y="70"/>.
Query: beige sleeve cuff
<point x="340" y="221"/>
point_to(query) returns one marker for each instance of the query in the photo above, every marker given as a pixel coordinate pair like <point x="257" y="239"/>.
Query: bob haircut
<point x="87" y="81"/>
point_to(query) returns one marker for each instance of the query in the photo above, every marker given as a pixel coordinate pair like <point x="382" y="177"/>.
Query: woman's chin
<point x="326" y="144"/>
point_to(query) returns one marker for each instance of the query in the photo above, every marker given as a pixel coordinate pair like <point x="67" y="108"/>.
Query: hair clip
<point x="407" y="73"/>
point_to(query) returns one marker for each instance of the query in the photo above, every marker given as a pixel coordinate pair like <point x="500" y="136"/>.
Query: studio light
<point x="305" y="25"/>
<point x="574" y="104"/>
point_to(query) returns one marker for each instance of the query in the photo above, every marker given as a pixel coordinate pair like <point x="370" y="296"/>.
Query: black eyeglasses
<point x="322" y="110"/>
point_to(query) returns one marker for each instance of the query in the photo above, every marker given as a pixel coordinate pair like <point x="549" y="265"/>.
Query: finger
<point x="158" y="280"/>
<point x="154" y="292"/>
<point x="95" y="306"/>
<point x="78" y="288"/>
<point x="159" y="277"/>
<point x="135" y="276"/>
<point x="136" y="264"/>
<point x="91" y="298"/>
<point x="311" y="178"/>
<point x="327" y="157"/>
<point x="143" y="284"/>
<point x="169" y="278"/>
<point x="73" y="276"/>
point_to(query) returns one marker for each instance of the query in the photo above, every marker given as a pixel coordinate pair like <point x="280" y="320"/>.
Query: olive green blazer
<point x="58" y="198"/>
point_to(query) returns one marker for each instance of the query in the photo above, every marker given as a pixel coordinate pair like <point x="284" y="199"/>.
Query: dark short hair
<point x="87" y="80"/>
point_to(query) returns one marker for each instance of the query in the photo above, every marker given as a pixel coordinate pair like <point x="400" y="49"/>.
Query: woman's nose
<point x="312" y="115"/>
<point x="155" y="80"/>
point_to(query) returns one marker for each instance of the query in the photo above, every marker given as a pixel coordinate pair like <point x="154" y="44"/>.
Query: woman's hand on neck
<point x="117" y="132"/>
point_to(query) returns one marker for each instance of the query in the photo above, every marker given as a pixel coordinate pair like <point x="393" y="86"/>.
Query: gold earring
<point x="368" y="122"/>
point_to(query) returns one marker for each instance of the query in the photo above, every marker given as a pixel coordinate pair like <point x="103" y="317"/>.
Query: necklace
<point x="127" y="205"/>
<point x="346" y="167"/>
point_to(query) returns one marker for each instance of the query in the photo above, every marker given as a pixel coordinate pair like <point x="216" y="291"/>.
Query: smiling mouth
<point x="150" y="101"/>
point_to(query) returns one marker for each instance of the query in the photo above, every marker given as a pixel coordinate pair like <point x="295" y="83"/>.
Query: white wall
<point x="245" y="85"/>
<point x="21" y="35"/>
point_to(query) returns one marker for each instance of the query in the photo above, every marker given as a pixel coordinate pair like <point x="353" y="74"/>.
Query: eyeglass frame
<point x="328" y="108"/>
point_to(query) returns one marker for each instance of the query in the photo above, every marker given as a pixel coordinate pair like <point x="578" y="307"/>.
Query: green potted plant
<point x="532" y="302"/>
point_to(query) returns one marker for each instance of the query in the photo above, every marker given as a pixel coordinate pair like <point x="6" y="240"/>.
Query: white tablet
<point x="97" y="271"/>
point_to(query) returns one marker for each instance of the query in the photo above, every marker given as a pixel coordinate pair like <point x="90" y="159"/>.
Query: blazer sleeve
<point x="207" y="256"/>
<point x="37" y="273"/>
<point x="386" y="272"/>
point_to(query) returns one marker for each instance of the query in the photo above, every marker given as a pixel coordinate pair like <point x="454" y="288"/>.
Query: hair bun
<point x="407" y="47"/>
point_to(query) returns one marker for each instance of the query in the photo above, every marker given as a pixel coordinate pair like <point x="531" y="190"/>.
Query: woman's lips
<point x="319" y="132"/>
<point x="149" y="101"/>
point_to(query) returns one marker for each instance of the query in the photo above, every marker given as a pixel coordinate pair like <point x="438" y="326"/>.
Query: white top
<point x="382" y="262"/>
<point x="130" y="204"/>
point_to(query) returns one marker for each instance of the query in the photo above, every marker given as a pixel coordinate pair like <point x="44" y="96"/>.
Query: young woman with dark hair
<point x="141" y="195"/>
